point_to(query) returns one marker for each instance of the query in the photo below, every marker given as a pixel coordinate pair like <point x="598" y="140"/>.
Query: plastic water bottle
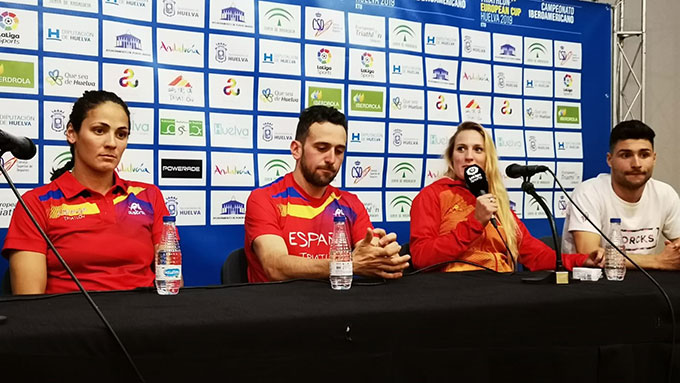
<point x="168" y="260"/>
<point x="615" y="263"/>
<point x="340" y="256"/>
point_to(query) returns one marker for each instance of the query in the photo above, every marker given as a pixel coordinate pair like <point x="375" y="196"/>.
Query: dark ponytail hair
<point x="90" y="100"/>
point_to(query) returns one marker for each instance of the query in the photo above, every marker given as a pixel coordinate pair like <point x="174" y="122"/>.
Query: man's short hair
<point x="318" y="113"/>
<point x="630" y="130"/>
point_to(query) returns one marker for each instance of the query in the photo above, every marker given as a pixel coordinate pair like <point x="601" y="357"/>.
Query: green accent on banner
<point x="16" y="74"/>
<point x="568" y="114"/>
<point x="196" y="128"/>
<point x="167" y="126"/>
<point x="331" y="97"/>
<point x="367" y="101"/>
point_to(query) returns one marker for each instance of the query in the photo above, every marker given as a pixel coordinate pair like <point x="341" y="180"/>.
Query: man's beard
<point x="314" y="178"/>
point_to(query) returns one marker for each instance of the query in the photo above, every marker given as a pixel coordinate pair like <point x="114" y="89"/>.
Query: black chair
<point x="548" y="240"/>
<point x="6" y="284"/>
<point x="405" y="249"/>
<point x="235" y="268"/>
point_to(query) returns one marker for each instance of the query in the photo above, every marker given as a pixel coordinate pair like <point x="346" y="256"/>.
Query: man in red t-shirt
<point x="289" y="222"/>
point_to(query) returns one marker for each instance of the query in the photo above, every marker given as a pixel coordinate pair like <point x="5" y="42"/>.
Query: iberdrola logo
<point x="317" y="95"/>
<point x="359" y="97"/>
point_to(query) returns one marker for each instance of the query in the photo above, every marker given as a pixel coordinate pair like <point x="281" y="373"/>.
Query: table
<point x="468" y="327"/>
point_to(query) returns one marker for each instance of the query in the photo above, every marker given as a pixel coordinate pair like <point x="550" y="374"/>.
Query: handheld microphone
<point x="517" y="171"/>
<point x="21" y="147"/>
<point x="476" y="182"/>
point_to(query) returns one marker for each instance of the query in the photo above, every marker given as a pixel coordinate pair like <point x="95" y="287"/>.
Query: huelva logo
<point x="568" y="114"/>
<point x="367" y="101"/>
<point x="402" y="203"/>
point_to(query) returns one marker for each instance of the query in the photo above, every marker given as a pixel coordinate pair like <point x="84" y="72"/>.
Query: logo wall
<point x="279" y="19"/>
<point x="373" y="203"/>
<point x="398" y="206"/>
<point x="232" y="169"/>
<point x="228" y="207"/>
<point x="187" y="206"/>
<point x="404" y="172"/>
<point x="406" y="138"/>
<point x="324" y="24"/>
<point x="231" y="130"/>
<point x="273" y="167"/>
<point x="364" y="172"/>
<point x="278" y="95"/>
<point x="326" y="94"/>
<point x="63" y="77"/>
<point x="181" y="168"/>
<point x="275" y="132"/>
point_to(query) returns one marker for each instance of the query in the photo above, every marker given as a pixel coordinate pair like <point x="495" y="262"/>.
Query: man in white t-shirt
<point x="648" y="208"/>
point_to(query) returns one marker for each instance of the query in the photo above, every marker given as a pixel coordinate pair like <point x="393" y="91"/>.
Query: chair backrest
<point x="235" y="268"/>
<point x="6" y="284"/>
<point x="405" y="249"/>
<point x="548" y="240"/>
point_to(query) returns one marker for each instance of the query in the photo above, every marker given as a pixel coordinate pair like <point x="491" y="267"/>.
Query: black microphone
<point x="21" y="147"/>
<point x="517" y="171"/>
<point x="475" y="180"/>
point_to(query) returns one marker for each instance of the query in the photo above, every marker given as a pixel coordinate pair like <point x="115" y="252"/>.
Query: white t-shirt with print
<point x="657" y="212"/>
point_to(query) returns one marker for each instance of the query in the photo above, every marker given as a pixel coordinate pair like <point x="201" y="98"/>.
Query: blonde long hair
<point x="493" y="175"/>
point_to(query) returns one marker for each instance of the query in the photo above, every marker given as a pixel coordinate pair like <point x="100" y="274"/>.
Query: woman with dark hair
<point x="106" y="228"/>
<point x="450" y="224"/>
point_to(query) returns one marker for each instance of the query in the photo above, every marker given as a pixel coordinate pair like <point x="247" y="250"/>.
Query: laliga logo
<point x="324" y="56"/>
<point x="441" y="104"/>
<point x="367" y="59"/>
<point x="9" y="20"/>
<point x="231" y="89"/>
<point x="568" y="80"/>
<point x="125" y="81"/>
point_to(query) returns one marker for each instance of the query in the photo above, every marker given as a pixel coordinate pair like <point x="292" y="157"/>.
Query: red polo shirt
<point x="107" y="240"/>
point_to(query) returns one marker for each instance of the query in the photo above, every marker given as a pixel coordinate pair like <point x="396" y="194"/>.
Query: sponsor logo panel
<point x="441" y="73"/>
<point x="507" y="48"/>
<point x="569" y="145"/>
<point x="407" y="104"/>
<point x="476" y="44"/>
<point x="367" y="65"/>
<point x="539" y="144"/>
<point x="324" y="24"/>
<point x="181" y="127"/>
<point x="507" y="111"/>
<point x="373" y="203"/>
<point x="516" y="200"/>
<point x="237" y="15"/>
<point x="404" y="172"/>
<point x="187" y="206"/>
<point x="231" y="53"/>
<point x="54" y="158"/>
<point x="274" y="166"/>
<point x="327" y="94"/>
<point x="279" y="19"/>
<point x="232" y="169"/>
<point x="19" y="117"/>
<point x="538" y="113"/>
<point x="365" y="136"/>
<point x="127" y="41"/>
<point x="130" y="82"/>
<point x="278" y="95"/>
<point x="538" y="83"/>
<point x="141" y="126"/>
<point x="438" y="138"/>
<point x="567" y="55"/>
<point x="129" y="9"/>
<point x="570" y="174"/>
<point x="441" y="40"/>
<point x="538" y="52"/>
<point x="7" y="205"/>
<point x="228" y="207"/>
<point x="181" y="12"/>
<point x="405" y="35"/>
<point x="475" y="108"/>
<point x="567" y="85"/>
<point x="324" y="61"/>
<point x="507" y="79"/>
<point x="181" y="168"/>
<point x="19" y="28"/>
<point x="398" y="206"/>
<point x="406" y="138"/>
<point x="21" y="171"/>
<point x="78" y="35"/>
<point x="136" y="165"/>
<point x="406" y="69"/>
<point x="279" y="57"/>
<point x="18" y="73"/>
<point x="180" y="87"/>
<point x="435" y="168"/>
<point x="567" y="115"/>
<point x="231" y="130"/>
<point x="510" y="183"/>
<point x="72" y="5"/>
<point x="55" y="119"/>
<point x="275" y="132"/>
<point x="561" y="205"/>
<point x="179" y="47"/>
<point x="543" y="180"/>
<point x="231" y="91"/>
<point x="532" y="209"/>
<point x="365" y="101"/>
<point x="475" y="77"/>
<point x="442" y="106"/>
<point x="364" y="172"/>
<point x="366" y="30"/>
<point x="62" y="77"/>
<point x="509" y="142"/>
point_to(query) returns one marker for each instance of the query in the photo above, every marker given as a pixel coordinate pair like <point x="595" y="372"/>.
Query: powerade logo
<point x="16" y="74"/>
<point x="568" y="114"/>
<point x="181" y="168"/>
<point x="367" y="101"/>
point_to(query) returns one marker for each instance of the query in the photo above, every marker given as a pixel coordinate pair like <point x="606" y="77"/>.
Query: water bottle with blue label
<point x="168" y="260"/>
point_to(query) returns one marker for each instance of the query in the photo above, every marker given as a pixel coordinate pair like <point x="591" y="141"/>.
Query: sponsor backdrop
<point x="215" y="88"/>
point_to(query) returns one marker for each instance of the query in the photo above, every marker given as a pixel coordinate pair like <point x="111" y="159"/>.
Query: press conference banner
<point x="215" y="89"/>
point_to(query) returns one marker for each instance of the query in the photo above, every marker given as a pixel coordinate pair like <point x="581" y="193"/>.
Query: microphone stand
<point x="68" y="270"/>
<point x="560" y="275"/>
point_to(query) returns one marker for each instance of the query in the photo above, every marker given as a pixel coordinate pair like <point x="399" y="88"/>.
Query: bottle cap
<point x="339" y="218"/>
<point x="614" y="220"/>
<point x="168" y="218"/>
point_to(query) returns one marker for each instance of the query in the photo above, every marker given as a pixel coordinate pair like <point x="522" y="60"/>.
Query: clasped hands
<point x="377" y="255"/>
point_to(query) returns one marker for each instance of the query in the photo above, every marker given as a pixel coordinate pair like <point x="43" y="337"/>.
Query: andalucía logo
<point x="279" y="16"/>
<point x="402" y="203"/>
<point x="126" y="80"/>
<point x="537" y="50"/>
<point x="131" y="168"/>
<point x="403" y="32"/>
<point x="277" y="166"/>
<point x="181" y="168"/>
<point x="60" y="160"/>
<point x="404" y="168"/>
<point x="181" y="48"/>
<point x="16" y="74"/>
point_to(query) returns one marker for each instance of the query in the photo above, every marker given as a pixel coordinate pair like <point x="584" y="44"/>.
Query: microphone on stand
<point x="517" y="171"/>
<point x="21" y="147"/>
<point x="476" y="182"/>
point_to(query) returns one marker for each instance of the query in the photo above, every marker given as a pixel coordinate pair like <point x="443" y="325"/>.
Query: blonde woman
<point x="449" y="224"/>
